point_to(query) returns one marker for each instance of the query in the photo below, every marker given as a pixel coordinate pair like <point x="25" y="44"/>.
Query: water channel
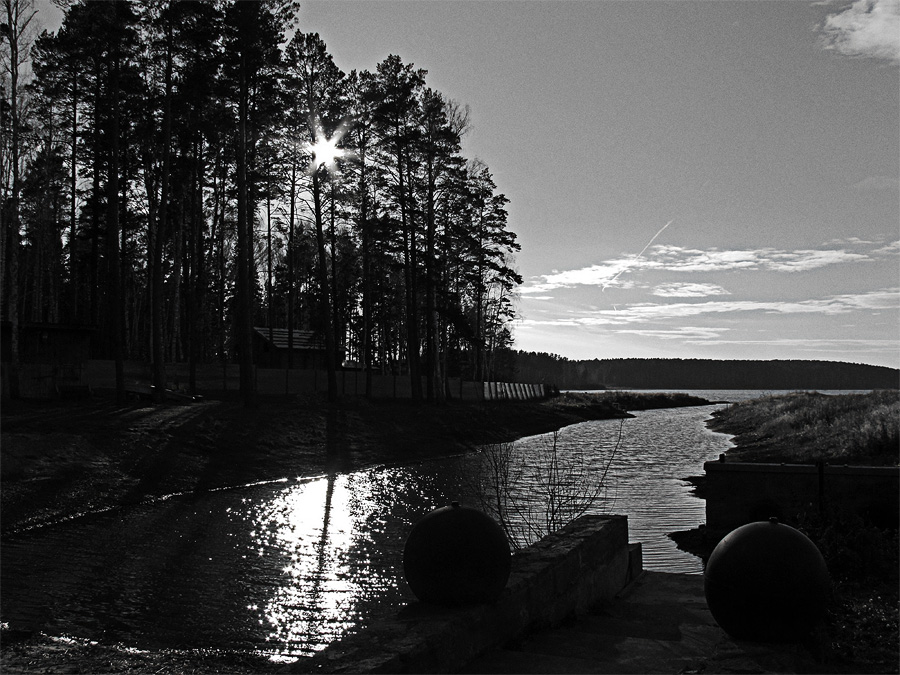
<point x="283" y="568"/>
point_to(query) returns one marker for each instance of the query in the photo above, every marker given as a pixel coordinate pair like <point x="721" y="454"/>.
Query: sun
<point x="324" y="150"/>
<point x="325" y="153"/>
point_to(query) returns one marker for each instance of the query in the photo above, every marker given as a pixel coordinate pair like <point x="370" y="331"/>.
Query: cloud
<point x="680" y="290"/>
<point x="670" y="258"/>
<point x="876" y="184"/>
<point x="595" y="275"/>
<point x="868" y="28"/>
<point x="648" y="312"/>
<point x="889" y="249"/>
<point x="825" y="345"/>
<point x="850" y="241"/>
<point x="689" y="333"/>
<point x="802" y="261"/>
<point x="677" y="259"/>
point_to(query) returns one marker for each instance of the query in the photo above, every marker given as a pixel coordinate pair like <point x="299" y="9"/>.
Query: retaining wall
<point x="587" y="562"/>
<point x="741" y="492"/>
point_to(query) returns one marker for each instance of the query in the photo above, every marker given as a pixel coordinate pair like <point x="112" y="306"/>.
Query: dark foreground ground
<point x="59" y="459"/>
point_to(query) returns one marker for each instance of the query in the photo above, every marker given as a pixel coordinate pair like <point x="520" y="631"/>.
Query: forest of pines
<point x="175" y="174"/>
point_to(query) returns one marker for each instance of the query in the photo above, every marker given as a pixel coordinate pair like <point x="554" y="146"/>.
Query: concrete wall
<point x="738" y="493"/>
<point x="587" y="562"/>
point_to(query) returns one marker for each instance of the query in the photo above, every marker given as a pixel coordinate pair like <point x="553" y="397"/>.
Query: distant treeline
<point x="701" y="373"/>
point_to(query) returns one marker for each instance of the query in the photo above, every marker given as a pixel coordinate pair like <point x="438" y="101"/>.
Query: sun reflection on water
<point x="329" y="536"/>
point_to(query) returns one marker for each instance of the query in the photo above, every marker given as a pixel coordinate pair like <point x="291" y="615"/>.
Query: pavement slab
<point x="659" y="624"/>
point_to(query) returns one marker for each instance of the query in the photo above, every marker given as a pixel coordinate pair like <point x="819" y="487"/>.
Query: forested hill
<point x="701" y="373"/>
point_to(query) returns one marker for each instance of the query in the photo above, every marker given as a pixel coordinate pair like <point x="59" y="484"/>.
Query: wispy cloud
<point x="801" y="261"/>
<point x="852" y="241"/>
<point x="876" y="184"/>
<point x="679" y="259"/>
<point x="889" y="249"/>
<point x="868" y="28"/>
<point x="595" y="275"/>
<point x="686" y="333"/>
<point x="682" y="290"/>
<point x="883" y="299"/>
<point x="823" y="345"/>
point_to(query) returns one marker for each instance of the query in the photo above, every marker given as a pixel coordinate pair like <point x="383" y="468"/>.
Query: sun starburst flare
<point x="324" y="150"/>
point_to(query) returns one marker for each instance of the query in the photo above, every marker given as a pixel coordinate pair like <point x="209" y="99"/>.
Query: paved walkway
<point x="660" y="624"/>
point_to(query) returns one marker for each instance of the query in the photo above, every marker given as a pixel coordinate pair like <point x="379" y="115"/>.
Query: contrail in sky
<point x="635" y="259"/>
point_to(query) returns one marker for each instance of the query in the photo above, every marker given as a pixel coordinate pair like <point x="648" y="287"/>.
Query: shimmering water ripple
<point x="284" y="568"/>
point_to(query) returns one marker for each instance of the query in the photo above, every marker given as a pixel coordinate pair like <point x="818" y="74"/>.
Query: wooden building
<point x="270" y="348"/>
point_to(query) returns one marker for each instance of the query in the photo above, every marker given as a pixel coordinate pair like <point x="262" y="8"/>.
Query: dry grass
<point x="808" y="427"/>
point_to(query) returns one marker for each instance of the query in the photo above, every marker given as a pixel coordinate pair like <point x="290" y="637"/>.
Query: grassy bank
<point x="807" y="427"/>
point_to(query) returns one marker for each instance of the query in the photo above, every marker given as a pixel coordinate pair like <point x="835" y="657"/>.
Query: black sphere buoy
<point x="767" y="581"/>
<point x="456" y="555"/>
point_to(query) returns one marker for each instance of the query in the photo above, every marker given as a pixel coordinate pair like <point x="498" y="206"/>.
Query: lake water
<point x="285" y="567"/>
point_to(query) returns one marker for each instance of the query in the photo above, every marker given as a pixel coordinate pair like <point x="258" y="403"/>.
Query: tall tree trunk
<point x="112" y="229"/>
<point x="197" y="314"/>
<point x="411" y="264"/>
<point x="433" y="371"/>
<point x="13" y="33"/>
<point x="366" y="271"/>
<point x="322" y="267"/>
<point x="174" y="318"/>
<point x="75" y="306"/>
<point x="244" y="327"/>
<point x="270" y="315"/>
<point x="124" y="270"/>
<point x="290" y="261"/>
<point x="157" y="306"/>
<point x="221" y="198"/>
<point x="94" y="265"/>
<point x="335" y="313"/>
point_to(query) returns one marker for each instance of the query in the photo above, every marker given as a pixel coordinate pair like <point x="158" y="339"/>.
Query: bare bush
<point x="537" y="490"/>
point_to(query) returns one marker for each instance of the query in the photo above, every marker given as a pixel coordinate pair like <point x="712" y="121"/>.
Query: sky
<point x="687" y="179"/>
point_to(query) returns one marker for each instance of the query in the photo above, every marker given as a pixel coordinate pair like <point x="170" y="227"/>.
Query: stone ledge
<point x="565" y="573"/>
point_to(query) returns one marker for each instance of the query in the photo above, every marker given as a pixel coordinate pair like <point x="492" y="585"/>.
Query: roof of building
<point x="303" y="339"/>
